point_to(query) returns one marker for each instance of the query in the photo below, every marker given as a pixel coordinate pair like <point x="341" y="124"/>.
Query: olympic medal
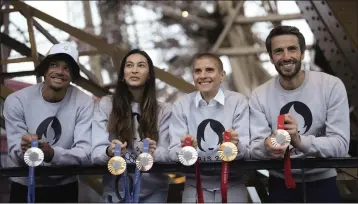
<point x="34" y="156"/>
<point x="282" y="138"/>
<point x="117" y="165"/>
<point x="144" y="161"/>
<point x="188" y="155"/>
<point x="227" y="151"/>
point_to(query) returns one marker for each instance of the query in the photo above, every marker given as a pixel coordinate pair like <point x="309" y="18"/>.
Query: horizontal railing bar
<point x="350" y="162"/>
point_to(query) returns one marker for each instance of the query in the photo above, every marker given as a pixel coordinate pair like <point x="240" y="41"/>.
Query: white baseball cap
<point x="61" y="51"/>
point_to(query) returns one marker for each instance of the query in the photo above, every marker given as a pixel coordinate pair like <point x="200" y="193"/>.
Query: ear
<point x="44" y="74"/>
<point x="223" y="76"/>
<point x="302" y="56"/>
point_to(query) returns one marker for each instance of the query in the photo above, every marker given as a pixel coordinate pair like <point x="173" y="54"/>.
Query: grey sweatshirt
<point x="151" y="182"/>
<point x="207" y="122"/>
<point x="65" y="125"/>
<point x="320" y="107"/>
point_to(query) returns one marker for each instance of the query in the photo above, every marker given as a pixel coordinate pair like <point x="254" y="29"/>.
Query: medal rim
<point x="147" y="167"/>
<point x="194" y="153"/>
<point x="234" y="151"/>
<point x="287" y="136"/>
<point x="40" y="154"/>
<point x="120" y="170"/>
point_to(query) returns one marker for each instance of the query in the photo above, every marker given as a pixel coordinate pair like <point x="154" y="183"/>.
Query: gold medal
<point x="117" y="165"/>
<point x="188" y="155"/>
<point x="33" y="156"/>
<point x="282" y="138"/>
<point x="144" y="161"/>
<point x="227" y="151"/>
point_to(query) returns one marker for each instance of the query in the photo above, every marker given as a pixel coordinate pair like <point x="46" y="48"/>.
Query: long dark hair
<point x="121" y="118"/>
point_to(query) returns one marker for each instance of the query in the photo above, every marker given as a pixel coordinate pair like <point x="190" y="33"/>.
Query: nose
<point x="202" y="75"/>
<point x="135" y="69"/>
<point x="286" y="55"/>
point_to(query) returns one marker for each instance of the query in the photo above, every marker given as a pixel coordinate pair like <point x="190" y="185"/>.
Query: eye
<point x="53" y="65"/>
<point x="292" y="48"/>
<point x="278" y="51"/>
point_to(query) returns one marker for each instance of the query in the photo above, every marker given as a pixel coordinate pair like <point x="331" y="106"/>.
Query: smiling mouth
<point x="205" y="82"/>
<point x="287" y="64"/>
<point x="58" y="79"/>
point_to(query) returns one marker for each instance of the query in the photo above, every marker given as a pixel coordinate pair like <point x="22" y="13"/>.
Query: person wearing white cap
<point x="59" y="115"/>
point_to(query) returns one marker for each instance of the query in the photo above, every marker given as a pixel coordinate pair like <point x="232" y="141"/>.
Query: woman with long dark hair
<point x="127" y="117"/>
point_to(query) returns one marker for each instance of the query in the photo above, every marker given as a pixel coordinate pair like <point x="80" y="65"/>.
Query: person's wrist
<point x="49" y="154"/>
<point x="296" y="141"/>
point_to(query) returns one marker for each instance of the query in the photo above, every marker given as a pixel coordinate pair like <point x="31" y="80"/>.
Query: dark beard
<point x="291" y="75"/>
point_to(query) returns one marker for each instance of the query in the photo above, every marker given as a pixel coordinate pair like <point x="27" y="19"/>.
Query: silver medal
<point x="188" y="155"/>
<point x="33" y="156"/>
<point x="144" y="161"/>
<point x="282" y="138"/>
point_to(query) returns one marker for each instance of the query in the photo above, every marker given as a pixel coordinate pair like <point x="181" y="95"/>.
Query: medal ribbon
<point x="117" y="153"/>
<point x="290" y="182"/>
<point x="225" y="172"/>
<point x="133" y="197"/>
<point x="31" y="181"/>
<point x="199" y="187"/>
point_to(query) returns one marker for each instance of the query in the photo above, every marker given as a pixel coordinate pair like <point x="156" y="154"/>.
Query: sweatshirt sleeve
<point x="241" y="126"/>
<point x="336" y="141"/>
<point x="161" y="153"/>
<point x="100" y="135"/>
<point x="80" y="151"/>
<point x="259" y="129"/>
<point x="15" y="128"/>
<point x="178" y="128"/>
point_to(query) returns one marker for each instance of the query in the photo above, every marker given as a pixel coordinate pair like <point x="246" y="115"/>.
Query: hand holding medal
<point x="144" y="161"/>
<point x="228" y="150"/>
<point x="33" y="157"/>
<point x="117" y="165"/>
<point x="282" y="137"/>
<point x="188" y="154"/>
